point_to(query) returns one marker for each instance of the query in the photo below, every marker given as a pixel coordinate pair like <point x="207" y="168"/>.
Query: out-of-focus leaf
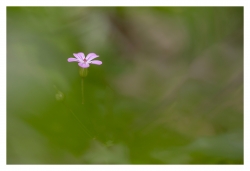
<point x="110" y="154"/>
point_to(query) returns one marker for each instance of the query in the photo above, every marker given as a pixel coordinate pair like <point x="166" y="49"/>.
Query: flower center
<point x="85" y="60"/>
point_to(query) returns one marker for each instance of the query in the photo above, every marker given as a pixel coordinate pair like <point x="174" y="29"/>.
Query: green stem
<point x="82" y="125"/>
<point x="82" y="91"/>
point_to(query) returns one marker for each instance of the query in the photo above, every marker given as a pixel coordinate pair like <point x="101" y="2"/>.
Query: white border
<point x="125" y="3"/>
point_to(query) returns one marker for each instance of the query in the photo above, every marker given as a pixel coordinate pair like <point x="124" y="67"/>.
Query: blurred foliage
<point x="169" y="91"/>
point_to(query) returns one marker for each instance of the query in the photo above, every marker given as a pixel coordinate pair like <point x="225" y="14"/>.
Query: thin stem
<point x="82" y="125"/>
<point x="82" y="91"/>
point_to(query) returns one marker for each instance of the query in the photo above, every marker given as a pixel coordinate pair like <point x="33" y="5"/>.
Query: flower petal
<point x="91" y="56"/>
<point x="97" y="62"/>
<point x="73" y="60"/>
<point x="83" y="65"/>
<point x="80" y="56"/>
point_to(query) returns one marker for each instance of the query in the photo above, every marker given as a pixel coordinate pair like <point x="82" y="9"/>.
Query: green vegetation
<point x="169" y="91"/>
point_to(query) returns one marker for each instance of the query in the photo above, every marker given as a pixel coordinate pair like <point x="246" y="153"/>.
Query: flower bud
<point x="83" y="72"/>
<point x="59" y="96"/>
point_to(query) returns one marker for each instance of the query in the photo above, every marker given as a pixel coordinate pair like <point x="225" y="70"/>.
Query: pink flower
<point x="84" y="62"/>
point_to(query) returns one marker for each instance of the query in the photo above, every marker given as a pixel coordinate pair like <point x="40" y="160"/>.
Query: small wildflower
<point x="84" y="62"/>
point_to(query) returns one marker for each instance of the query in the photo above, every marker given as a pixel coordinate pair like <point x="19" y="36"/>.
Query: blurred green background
<point x="169" y="91"/>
